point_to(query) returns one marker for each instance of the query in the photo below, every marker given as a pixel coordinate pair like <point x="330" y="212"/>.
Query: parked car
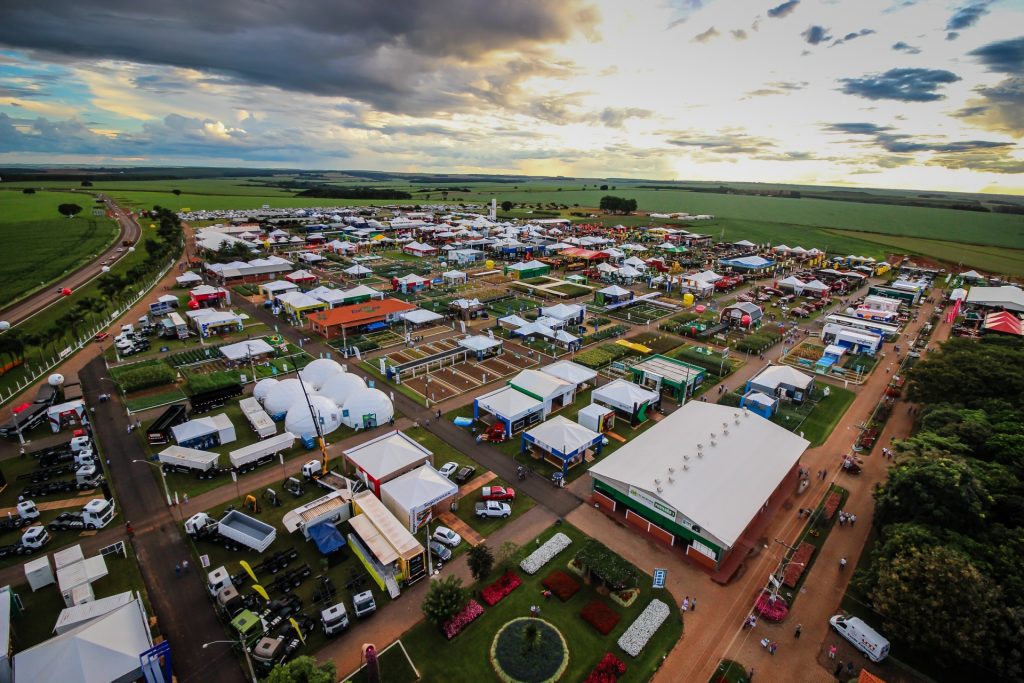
<point x="439" y="551"/>
<point x="492" y="508"/>
<point x="497" y="493"/>
<point x="465" y="474"/>
<point x="448" y="469"/>
<point x="446" y="536"/>
<point x="102" y="336"/>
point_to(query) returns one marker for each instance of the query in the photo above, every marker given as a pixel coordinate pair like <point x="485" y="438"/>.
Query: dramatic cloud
<point x="739" y="34"/>
<point x="968" y="15"/>
<point x="1006" y="56"/>
<point x="901" y="143"/>
<point x="614" y="117"/>
<point x="816" y="34"/>
<point x="411" y="58"/>
<point x="906" y="85"/>
<point x="705" y="36"/>
<point x="729" y="142"/>
<point x="853" y="36"/>
<point x="904" y="47"/>
<point x="1000" y="107"/>
<point x="783" y="10"/>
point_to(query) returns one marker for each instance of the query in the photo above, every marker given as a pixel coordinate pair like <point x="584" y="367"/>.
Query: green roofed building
<point x="674" y="377"/>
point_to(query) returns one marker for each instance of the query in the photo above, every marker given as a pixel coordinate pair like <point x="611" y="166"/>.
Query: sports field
<point x="41" y="245"/>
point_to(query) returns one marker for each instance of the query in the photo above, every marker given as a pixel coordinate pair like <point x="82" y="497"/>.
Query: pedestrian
<point x="852" y="519"/>
<point x="849" y="668"/>
<point x="799" y="628"/>
<point x="184" y="566"/>
<point x="21" y="452"/>
<point x="439" y="414"/>
<point x="832" y="651"/>
<point x="839" y="667"/>
<point x="693" y="604"/>
<point x="177" y="570"/>
<point x="186" y="499"/>
<point x="686" y="604"/>
<point x="842" y="563"/>
<point x="750" y="675"/>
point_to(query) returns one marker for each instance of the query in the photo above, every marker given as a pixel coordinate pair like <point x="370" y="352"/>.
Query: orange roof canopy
<point x="358" y="314"/>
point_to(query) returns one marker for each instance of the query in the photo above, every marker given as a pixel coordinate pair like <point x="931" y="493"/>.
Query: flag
<point x="295" y="625"/>
<point x="262" y="592"/>
<point x="249" y="571"/>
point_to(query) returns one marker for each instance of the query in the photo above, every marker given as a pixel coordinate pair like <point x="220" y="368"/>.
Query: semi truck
<point x="203" y="464"/>
<point x="32" y="539"/>
<point x="234" y="530"/>
<point x="96" y="514"/>
<point x="260" y="453"/>
<point x="86" y="477"/>
<point x="30" y="415"/>
<point x="206" y="401"/>
<point x="27" y="512"/>
<point x="332" y="481"/>
<point x="334" y="619"/>
<point x="54" y="455"/>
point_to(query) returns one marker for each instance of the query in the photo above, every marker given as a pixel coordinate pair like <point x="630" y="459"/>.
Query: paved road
<point x="183" y="610"/>
<point x="130" y="231"/>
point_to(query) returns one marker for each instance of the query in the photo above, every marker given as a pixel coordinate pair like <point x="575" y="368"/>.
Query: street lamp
<point x="163" y="477"/>
<point x="245" y="651"/>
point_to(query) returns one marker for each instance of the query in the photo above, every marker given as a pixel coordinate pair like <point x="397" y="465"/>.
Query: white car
<point x="448" y="469"/>
<point x="443" y="534"/>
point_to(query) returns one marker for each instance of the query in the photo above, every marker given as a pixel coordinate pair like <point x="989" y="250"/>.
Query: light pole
<point x="245" y="651"/>
<point x="163" y="477"/>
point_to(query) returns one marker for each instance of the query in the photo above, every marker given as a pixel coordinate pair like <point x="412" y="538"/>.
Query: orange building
<point x="364" y="317"/>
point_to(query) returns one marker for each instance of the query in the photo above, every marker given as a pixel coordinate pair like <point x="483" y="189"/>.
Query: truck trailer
<point x="234" y="530"/>
<point x="260" y="453"/>
<point x="204" y="464"/>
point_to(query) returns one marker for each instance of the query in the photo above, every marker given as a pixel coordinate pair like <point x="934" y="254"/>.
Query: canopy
<point x="327" y="538"/>
<point x="420" y="316"/>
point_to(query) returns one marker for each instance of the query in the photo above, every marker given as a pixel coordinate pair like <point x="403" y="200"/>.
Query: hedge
<point x="144" y="376"/>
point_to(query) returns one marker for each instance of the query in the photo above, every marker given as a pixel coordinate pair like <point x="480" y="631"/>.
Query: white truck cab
<point x="87" y="475"/>
<point x="311" y="469"/>
<point x="27" y="510"/>
<point x="334" y="619"/>
<point x="863" y="637"/>
<point x="81" y="444"/>
<point x="35" y="537"/>
<point x="98" y="513"/>
<point x="217" y="580"/>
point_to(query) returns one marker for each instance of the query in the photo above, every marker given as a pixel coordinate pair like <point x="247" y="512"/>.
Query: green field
<point x="48" y="245"/>
<point x="994" y="259"/>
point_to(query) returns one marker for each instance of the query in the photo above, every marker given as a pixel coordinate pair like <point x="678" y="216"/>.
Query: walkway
<point x="468" y="533"/>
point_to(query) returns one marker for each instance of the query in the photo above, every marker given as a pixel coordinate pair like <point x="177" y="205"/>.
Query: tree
<point x="176" y="192"/>
<point x="531" y="637"/>
<point x="604" y="187"/>
<point x="480" y="560"/>
<point x="69" y="210"/>
<point x="613" y="204"/>
<point x="444" y="600"/>
<point x="28" y="190"/>
<point x="938" y="491"/>
<point x="303" y="669"/>
<point x="86" y="183"/>
<point x="506" y="206"/>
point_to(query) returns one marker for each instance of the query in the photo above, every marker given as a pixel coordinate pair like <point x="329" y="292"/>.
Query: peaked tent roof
<point x="562" y="434"/>
<point x="568" y="371"/>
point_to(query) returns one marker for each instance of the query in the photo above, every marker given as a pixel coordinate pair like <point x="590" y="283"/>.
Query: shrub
<point x="444" y="600"/>
<point x="600" y="616"/>
<point x="610" y="567"/>
<point x="608" y="670"/>
<point x="144" y="376"/>
<point x="494" y="593"/>
<point x="561" y="584"/>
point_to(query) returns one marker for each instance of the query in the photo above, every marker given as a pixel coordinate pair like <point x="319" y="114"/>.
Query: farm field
<point x="994" y="259"/>
<point x="31" y="227"/>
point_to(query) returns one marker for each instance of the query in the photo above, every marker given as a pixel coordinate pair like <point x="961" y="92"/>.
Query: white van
<point x="863" y="637"/>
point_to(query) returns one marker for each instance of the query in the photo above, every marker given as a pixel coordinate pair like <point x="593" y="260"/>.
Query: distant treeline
<point x="333" y="192"/>
<point x="922" y="201"/>
<point x="104" y="174"/>
<point x="445" y="189"/>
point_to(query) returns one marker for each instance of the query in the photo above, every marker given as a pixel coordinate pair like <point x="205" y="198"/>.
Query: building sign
<point x="652" y="502"/>
<point x="659" y="578"/>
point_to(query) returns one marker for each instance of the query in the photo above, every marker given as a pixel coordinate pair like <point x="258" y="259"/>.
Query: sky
<point x="882" y="93"/>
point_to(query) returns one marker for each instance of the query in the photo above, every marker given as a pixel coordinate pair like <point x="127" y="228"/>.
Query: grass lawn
<point x="393" y="665"/>
<point x="729" y="671"/>
<point x="586" y="646"/>
<point x="485" y="526"/>
<point x="815" y="418"/>
<point x="48" y="245"/>
<point x="341" y="570"/>
<point x="44" y="606"/>
<point x="443" y="452"/>
<point x="158" y="399"/>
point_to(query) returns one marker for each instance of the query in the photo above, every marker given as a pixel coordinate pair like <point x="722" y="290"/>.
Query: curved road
<point x="130" y="232"/>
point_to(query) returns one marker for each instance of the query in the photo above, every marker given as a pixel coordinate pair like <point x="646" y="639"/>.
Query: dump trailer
<point x="204" y="464"/>
<point x="160" y="431"/>
<point x="332" y="481"/>
<point x="260" y="453"/>
<point x="236" y="528"/>
<point x="258" y="418"/>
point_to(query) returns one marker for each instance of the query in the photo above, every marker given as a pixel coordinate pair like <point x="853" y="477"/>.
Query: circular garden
<point x="529" y="650"/>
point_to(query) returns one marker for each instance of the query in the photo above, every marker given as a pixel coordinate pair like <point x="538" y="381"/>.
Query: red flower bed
<point x="831" y="503"/>
<point x="454" y="626"/>
<point x="797" y="565"/>
<point x="561" y="584"/>
<point x="494" y="593"/>
<point x="600" y="616"/>
<point x="608" y="670"/>
<point x="772" y="611"/>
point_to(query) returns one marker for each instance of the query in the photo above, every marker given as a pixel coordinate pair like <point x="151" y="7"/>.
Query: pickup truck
<point x="492" y="508"/>
<point x="497" y="493"/>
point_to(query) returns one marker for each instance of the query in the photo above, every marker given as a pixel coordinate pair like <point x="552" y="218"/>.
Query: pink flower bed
<point x="494" y="593"/>
<point x="608" y="670"/>
<point x="772" y="611"/>
<point x="454" y="626"/>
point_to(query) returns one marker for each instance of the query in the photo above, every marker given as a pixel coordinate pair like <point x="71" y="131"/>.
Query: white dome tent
<point x="367" y="408"/>
<point x="281" y="396"/>
<point x="299" y="420"/>
<point x="339" y="387"/>
<point x="263" y="387"/>
<point x="319" y="371"/>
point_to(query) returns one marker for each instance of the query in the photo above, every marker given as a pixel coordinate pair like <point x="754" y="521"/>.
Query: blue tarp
<point x="373" y="327"/>
<point x="327" y="537"/>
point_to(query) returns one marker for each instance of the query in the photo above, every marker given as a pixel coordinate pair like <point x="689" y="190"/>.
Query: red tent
<point x="1004" y="322"/>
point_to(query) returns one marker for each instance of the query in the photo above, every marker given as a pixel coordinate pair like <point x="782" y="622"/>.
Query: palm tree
<point x="531" y="637"/>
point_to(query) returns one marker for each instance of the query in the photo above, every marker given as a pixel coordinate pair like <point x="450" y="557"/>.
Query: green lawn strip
<point x="443" y="452"/>
<point x="659" y="342"/>
<point x="486" y="526"/>
<point x="816" y="418"/>
<point x="393" y="666"/>
<point x="158" y="399"/>
<point x="471" y="648"/>
<point x="371" y="368"/>
<point x="340" y="573"/>
<point x="43" y="606"/>
<point x="729" y="671"/>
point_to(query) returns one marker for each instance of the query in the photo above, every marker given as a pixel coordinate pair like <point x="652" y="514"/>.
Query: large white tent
<point x="624" y="395"/>
<point x="281" y="396"/>
<point x="299" y="420"/>
<point x="263" y="387"/>
<point x="340" y="386"/>
<point x="367" y="408"/>
<point x="319" y="371"/>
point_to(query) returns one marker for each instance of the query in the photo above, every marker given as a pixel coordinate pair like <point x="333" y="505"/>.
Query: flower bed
<point x="544" y="554"/>
<point x="494" y="593"/>
<point x="600" y="616"/>
<point x="464" y="618"/>
<point x="831" y="504"/>
<point x="774" y="611"/>
<point x="797" y="565"/>
<point x="608" y="670"/>
<point x="544" y="662"/>
<point x="561" y="584"/>
<point x="626" y="597"/>
<point x="644" y="627"/>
